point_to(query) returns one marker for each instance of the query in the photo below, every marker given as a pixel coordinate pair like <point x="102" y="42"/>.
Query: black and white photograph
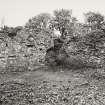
<point x="52" y="52"/>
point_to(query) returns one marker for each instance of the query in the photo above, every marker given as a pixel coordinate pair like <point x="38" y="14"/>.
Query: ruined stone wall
<point x="22" y="52"/>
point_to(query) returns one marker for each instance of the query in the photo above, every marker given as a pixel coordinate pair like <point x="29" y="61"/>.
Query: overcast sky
<point x="17" y="12"/>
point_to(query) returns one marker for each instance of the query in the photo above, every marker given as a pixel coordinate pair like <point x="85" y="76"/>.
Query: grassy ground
<point x="45" y="87"/>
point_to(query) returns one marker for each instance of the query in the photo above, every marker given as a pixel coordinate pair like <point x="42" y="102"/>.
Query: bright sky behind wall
<point x="17" y="12"/>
